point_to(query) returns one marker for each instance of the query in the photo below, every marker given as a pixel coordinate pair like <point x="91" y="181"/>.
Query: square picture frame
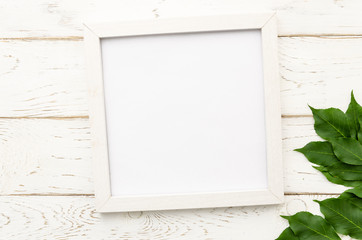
<point x="105" y="201"/>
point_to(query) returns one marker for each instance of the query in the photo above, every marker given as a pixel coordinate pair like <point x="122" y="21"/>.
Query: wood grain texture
<point x="42" y="78"/>
<point x="43" y="18"/>
<point x="47" y="78"/>
<point x="53" y="156"/>
<point x="320" y="71"/>
<point x="44" y="156"/>
<point x="73" y="218"/>
<point x="299" y="175"/>
<point x="63" y="18"/>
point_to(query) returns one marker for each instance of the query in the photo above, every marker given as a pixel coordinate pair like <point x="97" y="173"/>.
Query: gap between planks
<point x="87" y="117"/>
<point x="49" y="195"/>
<point x="68" y="38"/>
<point x="80" y="38"/>
<point x="92" y="195"/>
<point x="52" y="118"/>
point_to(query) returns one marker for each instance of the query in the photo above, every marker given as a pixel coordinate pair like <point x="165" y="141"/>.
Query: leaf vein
<point x="359" y="158"/>
<point x="325" y="153"/>
<point x="332" y="125"/>
<point x="315" y="230"/>
<point x="343" y="216"/>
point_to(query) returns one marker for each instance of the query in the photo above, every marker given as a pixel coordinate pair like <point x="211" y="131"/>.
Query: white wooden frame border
<point x="105" y="202"/>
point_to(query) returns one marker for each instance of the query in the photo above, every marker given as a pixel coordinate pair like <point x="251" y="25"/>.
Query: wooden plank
<point x="299" y="175"/>
<point x="53" y="157"/>
<point x="43" y="18"/>
<point x="42" y="78"/>
<point x="45" y="156"/>
<point x="320" y="71"/>
<point x="47" y="79"/>
<point x="63" y="18"/>
<point x="74" y="218"/>
<point x="295" y="17"/>
<point x="321" y="17"/>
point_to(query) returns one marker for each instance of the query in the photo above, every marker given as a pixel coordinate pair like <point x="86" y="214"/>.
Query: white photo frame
<point x="95" y="33"/>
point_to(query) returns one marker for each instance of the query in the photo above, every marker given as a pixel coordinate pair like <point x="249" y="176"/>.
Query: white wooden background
<point x="46" y="183"/>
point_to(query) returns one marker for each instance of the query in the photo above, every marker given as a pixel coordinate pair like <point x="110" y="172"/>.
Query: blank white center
<point x="185" y="113"/>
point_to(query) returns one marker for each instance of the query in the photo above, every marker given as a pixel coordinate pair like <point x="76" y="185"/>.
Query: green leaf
<point x="320" y="153"/>
<point x="345" y="171"/>
<point x="307" y="226"/>
<point x="348" y="150"/>
<point x="287" y="234"/>
<point x="354" y="114"/>
<point x="345" y="217"/>
<point x="360" y="131"/>
<point x="354" y="200"/>
<point x="352" y="196"/>
<point x="340" y="161"/>
<point x="330" y="123"/>
<point x="356" y="191"/>
<point x="337" y="180"/>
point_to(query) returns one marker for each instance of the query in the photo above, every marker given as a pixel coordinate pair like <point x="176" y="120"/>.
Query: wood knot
<point x="135" y="215"/>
